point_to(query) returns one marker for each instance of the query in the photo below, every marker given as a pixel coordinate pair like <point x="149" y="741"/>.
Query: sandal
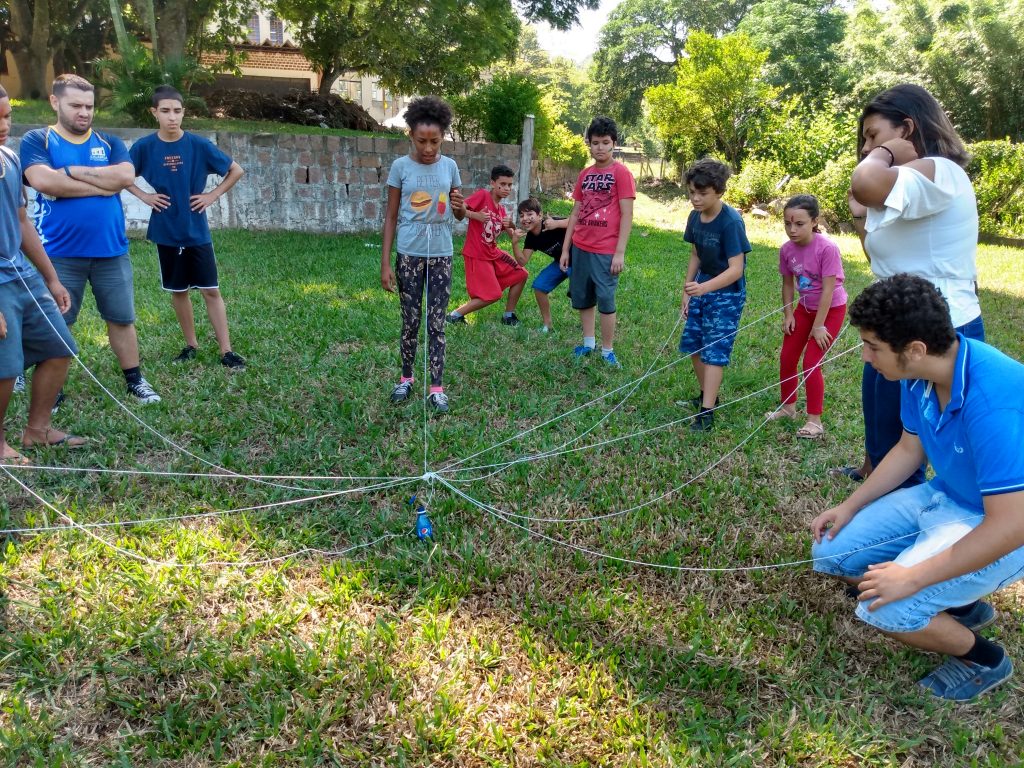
<point x="851" y="472"/>
<point x="67" y="441"/>
<point x="780" y="413"/>
<point x="811" y="431"/>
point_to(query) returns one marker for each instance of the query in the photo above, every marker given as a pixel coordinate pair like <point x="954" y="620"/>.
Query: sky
<point x="580" y="41"/>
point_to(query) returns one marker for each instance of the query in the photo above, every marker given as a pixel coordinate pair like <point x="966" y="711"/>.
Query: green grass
<point x="485" y="647"/>
<point x="39" y="112"/>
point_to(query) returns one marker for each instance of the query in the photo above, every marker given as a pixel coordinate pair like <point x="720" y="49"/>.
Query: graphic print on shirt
<point x="442" y="203"/>
<point x="598" y="195"/>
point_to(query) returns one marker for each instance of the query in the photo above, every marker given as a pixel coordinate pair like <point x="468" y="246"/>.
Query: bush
<point x="831" y="187"/>
<point x="802" y="138"/>
<point x="756" y="184"/>
<point x="132" y="77"/>
<point x="564" y="147"/>
<point x="495" y="111"/>
<point x="997" y="171"/>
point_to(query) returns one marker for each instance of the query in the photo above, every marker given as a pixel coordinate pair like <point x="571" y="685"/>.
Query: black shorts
<point x="191" y="266"/>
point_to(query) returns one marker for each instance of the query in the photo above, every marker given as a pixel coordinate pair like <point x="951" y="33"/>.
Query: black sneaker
<point x="510" y="320"/>
<point x="703" y="421"/>
<point x="696" y="403"/>
<point x="233" y="361"/>
<point x="61" y="397"/>
<point x="188" y="353"/>
<point x="455" y="319"/>
<point x="439" y="402"/>
<point x="143" y="392"/>
<point x="401" y="392"/>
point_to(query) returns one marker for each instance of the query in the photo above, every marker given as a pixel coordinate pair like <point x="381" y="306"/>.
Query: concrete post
<point x="525" y="158"/>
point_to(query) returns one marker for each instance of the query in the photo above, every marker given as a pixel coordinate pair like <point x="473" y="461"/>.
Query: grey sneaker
<point x="143" y="392"/>
<point x="188" y="353"/>
<point x="19" y="383"/>
<point x="455" y="319"/>
<point x="959" y="680"/>
<point x="980" y="616"/>
<point x="401" y="392"/>
<point x="511" y="320"/>
<point x="233" y="361"/>
<point x="439" y="402"/>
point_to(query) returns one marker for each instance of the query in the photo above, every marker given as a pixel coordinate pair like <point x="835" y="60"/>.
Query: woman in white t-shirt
<point x="915" y="211"/>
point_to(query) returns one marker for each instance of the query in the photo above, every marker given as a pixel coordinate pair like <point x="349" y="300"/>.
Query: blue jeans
<point x="908" y="526"/>
<point x="880" y="399"/>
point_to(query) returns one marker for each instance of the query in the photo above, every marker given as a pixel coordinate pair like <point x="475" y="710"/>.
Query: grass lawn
<point x="485" y="647"/>
<point x="39" y="112"/>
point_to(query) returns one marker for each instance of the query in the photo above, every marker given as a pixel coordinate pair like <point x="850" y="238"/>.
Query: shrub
<point x="803" y="138"/>
<point x="564" y="147"/>
<point x="997" y="172"/>
<point x="132" y="76"/>
<point x="756" y="184"/>
<point x="831" y="187"/>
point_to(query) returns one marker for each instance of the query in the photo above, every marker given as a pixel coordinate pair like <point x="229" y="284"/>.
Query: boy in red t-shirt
<point x="597" y="234"/>
<point x="489" y="270"/>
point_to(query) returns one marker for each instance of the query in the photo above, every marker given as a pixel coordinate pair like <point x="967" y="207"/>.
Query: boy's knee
<point x="210" y="293"/>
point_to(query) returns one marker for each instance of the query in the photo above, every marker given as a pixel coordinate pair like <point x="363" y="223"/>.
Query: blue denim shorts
<point x="908" y="526"/>
<point x="112" y="285"/>
<point x="550" y="278"/>
<point x="711" y="325"/>
<point x="33" y="334"/>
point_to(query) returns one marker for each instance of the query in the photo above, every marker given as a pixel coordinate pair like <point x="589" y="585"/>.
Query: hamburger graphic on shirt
<point x="420" y="201"/>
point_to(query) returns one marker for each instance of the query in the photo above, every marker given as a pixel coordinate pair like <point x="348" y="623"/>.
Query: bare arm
<point x="112" y="178"/>
<point x="154" y="200"/>
<point x="691" y="272"/>
<point x="570" y="226"/>
<point x="32" y="247"/>
<point x="199" y="203"/>
<point x="387" y="275"/>
<point x="875" y="176"/>
<point x="788" y="294"/>
<point x="727" y="277"/>
<point x="819" y="332"/>
<point x="625" y="227"/>
<point x="55" y="183"/>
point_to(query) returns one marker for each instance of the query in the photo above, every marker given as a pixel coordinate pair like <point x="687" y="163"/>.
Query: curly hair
<point x="428" y="110"/>
<point x="905" y="308"/>
<point x="934" y="134"/>
<point x="708" y="172"/>
<point x="603" y="126"/>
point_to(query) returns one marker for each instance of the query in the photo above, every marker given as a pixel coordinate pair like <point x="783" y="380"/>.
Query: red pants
<point x="800" y="341"/>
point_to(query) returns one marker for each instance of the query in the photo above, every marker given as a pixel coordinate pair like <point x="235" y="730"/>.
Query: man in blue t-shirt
<point x="923" y="557"/>
<point x="32" y="330"/>
<point x="78" y="174"/>
<point x="177" y="164"/>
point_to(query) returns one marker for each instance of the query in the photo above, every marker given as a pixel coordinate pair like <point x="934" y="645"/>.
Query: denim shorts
<point x="711" y="325"/>
<point x="592" y="281"/>
<point x="909" y="526"/>
<point x="33" y="335"/>
<point x="112" y="285"/>
<point x="550" y="278"/>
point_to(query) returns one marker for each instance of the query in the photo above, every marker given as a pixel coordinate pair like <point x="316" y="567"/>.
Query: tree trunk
<point x="172" y="28"/>
<point x="32" y="53"/>
<point x="327" y="79"/>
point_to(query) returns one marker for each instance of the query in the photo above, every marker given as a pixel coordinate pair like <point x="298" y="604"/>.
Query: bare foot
<point x="10" y="456"/>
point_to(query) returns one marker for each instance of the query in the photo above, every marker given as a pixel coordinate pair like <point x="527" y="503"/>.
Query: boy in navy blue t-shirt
<point x="176" y="164"/>
<point x="714" y="291"/>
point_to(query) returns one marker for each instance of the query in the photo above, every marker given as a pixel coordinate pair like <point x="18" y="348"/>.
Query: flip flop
<point x="780" y="414"/>
<point x="811" y="431"/>
<point x="851" y="472"/>
<point x="68" y="441"/>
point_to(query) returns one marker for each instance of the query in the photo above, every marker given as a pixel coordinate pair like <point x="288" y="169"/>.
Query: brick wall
<point x="309" y="183"/>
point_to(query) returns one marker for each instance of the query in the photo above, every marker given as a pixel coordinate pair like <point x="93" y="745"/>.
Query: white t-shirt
<point x="930" y="228"/>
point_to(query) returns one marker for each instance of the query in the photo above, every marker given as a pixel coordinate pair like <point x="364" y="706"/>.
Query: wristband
<point x="67" y="171"/>
<point x="892" y="157"/>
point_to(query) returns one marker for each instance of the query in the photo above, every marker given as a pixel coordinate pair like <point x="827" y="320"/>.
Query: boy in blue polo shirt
<point x="176" y="164"/>
<point x="715" y="289"/>
<point x="923" y="557"/>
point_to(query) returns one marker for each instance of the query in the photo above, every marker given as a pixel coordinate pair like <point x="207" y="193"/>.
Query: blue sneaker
<point x="980" y="616"/>
<point x="959" y="680"/>
<point x="611" y="359"/>
<point x="582" y="351"/>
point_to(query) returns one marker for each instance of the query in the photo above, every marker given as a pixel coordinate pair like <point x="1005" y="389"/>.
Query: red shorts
<point x="487" y="280"/>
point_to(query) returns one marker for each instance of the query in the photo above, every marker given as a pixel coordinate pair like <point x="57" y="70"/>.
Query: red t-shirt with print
<point x="482" y="236"/>
<point x="598" y="192"/>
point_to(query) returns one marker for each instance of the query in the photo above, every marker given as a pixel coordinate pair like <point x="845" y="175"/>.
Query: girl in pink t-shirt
<point x="811" y="264"/>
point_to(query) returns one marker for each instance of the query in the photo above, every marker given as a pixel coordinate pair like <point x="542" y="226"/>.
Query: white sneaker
<point x="143" y="392"/>
<point x="19" y="383"/>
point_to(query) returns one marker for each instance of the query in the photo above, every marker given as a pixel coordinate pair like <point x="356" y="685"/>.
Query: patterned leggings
<point x="436" y="274"/>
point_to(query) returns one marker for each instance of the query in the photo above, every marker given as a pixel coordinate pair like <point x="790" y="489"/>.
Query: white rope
<point x="666" y="567"/>
<point x="458" y="462"/>
<point x="211" y="563"/>
<point x="202" y="515"/>
<point x="208" y="475"/>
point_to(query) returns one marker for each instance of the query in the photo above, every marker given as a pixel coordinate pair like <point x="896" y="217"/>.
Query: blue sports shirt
<point x="89" y="227"/>
<point x="716" y="242"/>
<point x="178" y="169"/>
<point x="974" y="444"/>
<point x="12" y="198"/>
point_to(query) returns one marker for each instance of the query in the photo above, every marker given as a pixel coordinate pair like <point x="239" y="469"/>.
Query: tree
<point x="40" y="29"/>
<point x="802" y="38"/>
<point x="438" y="47"/>
<point x="717" y="99"/>
<point x="563" y="82"/>
<point x="640" y="44"/>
